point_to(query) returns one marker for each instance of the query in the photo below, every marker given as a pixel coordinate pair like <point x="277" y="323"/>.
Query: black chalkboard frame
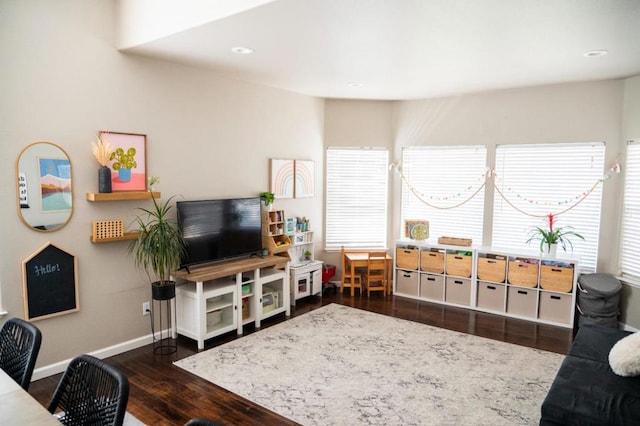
<point x="50" y="283"/>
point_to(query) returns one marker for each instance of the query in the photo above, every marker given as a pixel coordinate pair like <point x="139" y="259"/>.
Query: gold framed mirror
<point x="44" y="186"/>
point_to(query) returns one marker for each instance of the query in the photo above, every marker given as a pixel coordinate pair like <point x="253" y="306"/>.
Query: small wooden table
<point x="17" y="407"/>
<point x="359" y="259"/>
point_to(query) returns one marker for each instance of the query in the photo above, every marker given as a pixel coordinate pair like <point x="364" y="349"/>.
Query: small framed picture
<point x="128" y="160"/>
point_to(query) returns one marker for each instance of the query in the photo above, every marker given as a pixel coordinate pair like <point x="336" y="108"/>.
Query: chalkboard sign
<point x="49" y="283"/>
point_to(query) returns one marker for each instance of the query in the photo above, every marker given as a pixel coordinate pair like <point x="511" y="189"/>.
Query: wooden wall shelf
<point x="127" y="236"/>
<point x="120" y="196"/>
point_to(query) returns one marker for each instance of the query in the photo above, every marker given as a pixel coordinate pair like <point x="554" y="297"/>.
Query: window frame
<point x="339" y="232"/>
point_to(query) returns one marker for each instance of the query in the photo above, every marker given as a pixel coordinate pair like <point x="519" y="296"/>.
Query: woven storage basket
<point x="432" y="261"/>
<point x="493" y="270"/>
<point x="523" y="274"/>
<point x="556" y="278"/>
<point x="106" y="229"/>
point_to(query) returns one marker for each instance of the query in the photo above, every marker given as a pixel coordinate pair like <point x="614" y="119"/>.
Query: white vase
<point x="552" y="250"/>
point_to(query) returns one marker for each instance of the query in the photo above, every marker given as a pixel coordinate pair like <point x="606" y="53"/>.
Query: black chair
<point x="19" y="346"/>
<point x="90" y="392"/>
<point x="201" y="421"/>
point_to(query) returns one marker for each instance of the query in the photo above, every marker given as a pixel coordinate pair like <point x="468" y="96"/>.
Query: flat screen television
<point x="216" y="230"/>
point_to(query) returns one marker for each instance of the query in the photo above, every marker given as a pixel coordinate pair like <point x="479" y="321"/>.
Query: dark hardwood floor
<point x="162" y="394"/>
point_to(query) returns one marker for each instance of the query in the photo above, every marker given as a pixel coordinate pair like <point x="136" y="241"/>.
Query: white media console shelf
<point x="531" y="287"/>
<point x="216" y="299"/>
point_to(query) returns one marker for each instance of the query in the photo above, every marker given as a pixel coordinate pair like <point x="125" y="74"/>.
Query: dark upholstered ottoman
<point x="586" y="391"/>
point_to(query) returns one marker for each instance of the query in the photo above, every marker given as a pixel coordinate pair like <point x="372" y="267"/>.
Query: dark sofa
<point x="586" y="391"/>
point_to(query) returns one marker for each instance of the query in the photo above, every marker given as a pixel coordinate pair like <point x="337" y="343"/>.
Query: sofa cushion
<point x="586" y="391"/>
<point x="594" y="342"/>
<point x="624" y="357"/>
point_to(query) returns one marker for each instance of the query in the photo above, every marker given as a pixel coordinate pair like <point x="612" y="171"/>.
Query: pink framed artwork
<point x="281" y="179"/>
<point x="304" y="178"/>
<point x="128" y="161"/>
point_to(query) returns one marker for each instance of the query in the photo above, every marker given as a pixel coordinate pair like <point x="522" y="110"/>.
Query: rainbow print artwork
<point x="304" y="183"/>
<point x="282" y="178"/>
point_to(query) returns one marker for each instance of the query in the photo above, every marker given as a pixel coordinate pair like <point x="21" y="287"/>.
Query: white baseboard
<point x="58" y="367"/>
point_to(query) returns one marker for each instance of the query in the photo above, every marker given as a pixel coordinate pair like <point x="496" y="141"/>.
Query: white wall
<point x="631" y="131"/>
<point x="207" y="137"/>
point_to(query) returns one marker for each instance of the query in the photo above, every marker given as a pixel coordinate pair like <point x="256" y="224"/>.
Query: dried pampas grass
<point x="102" y="150"/>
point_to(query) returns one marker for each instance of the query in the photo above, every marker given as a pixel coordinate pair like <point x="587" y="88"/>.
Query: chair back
<point x="19" y="346"/>
<point x="377" y="266"/>
<point x="343" y="261"/>
<point x="376" y="277"/>
<point x="90" y="392"/>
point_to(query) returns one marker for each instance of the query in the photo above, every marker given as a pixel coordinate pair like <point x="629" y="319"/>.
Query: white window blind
<point x="549" y="178"/>
<point x="630" y="237"/>
<point x="439" y="185"/>
<point x="357" y="194"/>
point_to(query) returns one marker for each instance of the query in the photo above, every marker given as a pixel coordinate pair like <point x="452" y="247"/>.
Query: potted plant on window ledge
<point x="159" y="246"/>
<point x="552" y="237"/>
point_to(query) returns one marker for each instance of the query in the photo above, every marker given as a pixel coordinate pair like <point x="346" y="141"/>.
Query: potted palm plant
<point x="159" y="246"/>
<point x="552" y="236"/>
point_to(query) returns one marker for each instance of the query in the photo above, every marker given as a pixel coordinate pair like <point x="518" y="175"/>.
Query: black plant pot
<point x="104" y="179"/>
<point x="163" y="292"/>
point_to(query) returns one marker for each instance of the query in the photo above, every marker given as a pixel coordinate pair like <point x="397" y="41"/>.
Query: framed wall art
<point x="55" y="184"/>
<point x="304" y="178"/>
<point x="128" y="161"/>
<point x="281" y="179"/>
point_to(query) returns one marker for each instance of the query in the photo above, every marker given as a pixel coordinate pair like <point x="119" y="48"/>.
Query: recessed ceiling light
<point x="241" y="50"/>
<point x="355" y="84"/>
<point x="595" y="53"/>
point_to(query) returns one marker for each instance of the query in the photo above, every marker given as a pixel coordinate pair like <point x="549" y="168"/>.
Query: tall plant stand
<point x="164" y="298"/>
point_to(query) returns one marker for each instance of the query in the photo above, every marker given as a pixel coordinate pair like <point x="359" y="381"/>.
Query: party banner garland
<point x="490" y="173"/>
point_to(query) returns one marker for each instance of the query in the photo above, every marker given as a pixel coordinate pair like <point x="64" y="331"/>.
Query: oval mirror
<point x="45" y="192"/>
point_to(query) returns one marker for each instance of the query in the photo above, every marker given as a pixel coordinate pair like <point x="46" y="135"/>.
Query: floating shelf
<point x="125" y="237"/>
<point x="119" y="196"/>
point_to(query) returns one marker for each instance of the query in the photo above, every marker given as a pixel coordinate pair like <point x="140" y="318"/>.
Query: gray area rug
<point x="338" y="365"/>
<point x="131" y="420"/>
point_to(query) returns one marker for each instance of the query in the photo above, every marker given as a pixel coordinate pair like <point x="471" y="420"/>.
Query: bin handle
<point x="579" y="310"/>
<point x="581" y="289"/>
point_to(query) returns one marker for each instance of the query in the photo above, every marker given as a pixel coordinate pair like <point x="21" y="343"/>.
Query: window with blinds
<point x="535" y="180"/>
<point x="630" y="236"/>
<point x="445" y="185"/>
<point x="357" y="194"/>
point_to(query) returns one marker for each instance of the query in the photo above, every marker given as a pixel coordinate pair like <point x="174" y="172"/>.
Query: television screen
<point x="216" y="230"/>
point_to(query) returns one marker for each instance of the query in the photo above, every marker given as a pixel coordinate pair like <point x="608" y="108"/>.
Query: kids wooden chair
<point x="349" y="281"/>
<point x="376" y="277"/>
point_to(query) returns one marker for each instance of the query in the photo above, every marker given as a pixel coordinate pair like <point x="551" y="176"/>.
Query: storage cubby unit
<point x="223" y="297"/>
<point x="301" y="242"/>
<point x="248" y="296"/>
<point x="273" y="232"/>
<point x="535" y="288"/>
